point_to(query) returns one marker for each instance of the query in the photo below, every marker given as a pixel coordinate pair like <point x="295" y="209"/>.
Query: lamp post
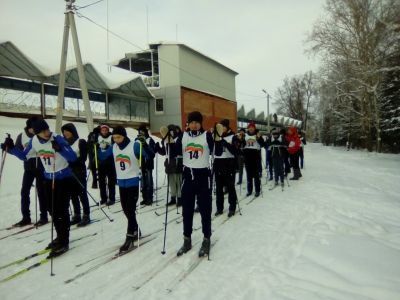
<point x="265" y="92"/>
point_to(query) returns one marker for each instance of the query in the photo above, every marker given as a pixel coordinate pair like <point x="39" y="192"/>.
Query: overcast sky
<point x="263" y="40"/>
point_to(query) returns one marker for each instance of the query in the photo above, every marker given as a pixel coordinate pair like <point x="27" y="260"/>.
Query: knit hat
<point x="120" y="130"/>
<point x="31" y="120"/>
<point x="143" y="130"/>
<point x="251" y="124"/>
<point x="104" y="126"/>
<point x="39" y="126"/>
<point x="225" y="123"/>
<point x="195" y="116"/>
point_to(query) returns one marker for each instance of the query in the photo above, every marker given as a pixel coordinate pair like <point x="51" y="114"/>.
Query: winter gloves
<point x="166" y="135"/>
<point x="55" y="146"/>
<point x="8" y="144"/>
<point x="218" y="131"/>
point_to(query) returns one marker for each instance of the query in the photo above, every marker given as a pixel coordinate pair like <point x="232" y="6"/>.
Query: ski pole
<point x="36" y="194"/>
<point x="3" y="160"/>
<point x="166" y="201"/>
<point x="157" y="179"/>
<point x="90" y="195"/>
<point x="140" y="186"/>
<point x="240" y="211"/>
<point x="52" y="210"/>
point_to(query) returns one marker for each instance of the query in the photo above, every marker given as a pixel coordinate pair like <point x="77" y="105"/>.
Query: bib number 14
<point x="194" y="154"/>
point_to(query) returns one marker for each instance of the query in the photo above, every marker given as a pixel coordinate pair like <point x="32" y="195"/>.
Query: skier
<point x="173" y="167"/>
<point x="225" y="170"/>
<point x="196" y="146"/>
<point x="240" y="158"/>
<point x="126" y="155"/>
<point x="33" y="169"/>
<point x="293" y="148"/>
<point x="252" y="158"/>
<point x="78" y="192"/>
<point x="301" y="152"/>
<point x="268" y="165"/>
<point x="106" y="168"/>
<point x="56" y="155"/>
<point x="277" y="146"/>
<point x="93" y="162"/>
<point x="147" y="166"/>
<point x="286" y="163"/>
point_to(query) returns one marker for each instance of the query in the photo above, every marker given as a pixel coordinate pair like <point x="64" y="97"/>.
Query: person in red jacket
<point x="294" y="144"/>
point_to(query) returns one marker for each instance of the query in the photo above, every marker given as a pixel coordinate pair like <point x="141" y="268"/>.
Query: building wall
<point x="213" y="108"/>
<point x="205" y="75"/>
<point x="183" y="92"/>
<point x="169" y="89"/>
<point x="172" y="104"/>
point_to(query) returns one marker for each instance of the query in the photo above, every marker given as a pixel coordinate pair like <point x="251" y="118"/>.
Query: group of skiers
<point x="195" y="158"/>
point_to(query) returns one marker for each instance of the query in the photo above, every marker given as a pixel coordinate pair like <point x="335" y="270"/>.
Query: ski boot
<point x="205" y="248"/>
<point x="75" y="219"/>
<point x="172" y="201"/>
<point x="41" y="222"/>
<point x="231" y="213"/>
<point x="85" y="221"/>
<point x="129" y="243"/>
<point x="23" y="222"/>
<point x="52" y="244"/>
<point x="187" y="245"/>
<point x="58" y="250"/>
<point x="218" y="213"/>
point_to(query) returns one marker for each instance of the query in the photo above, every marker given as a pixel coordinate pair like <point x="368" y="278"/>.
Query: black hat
<point x="225" y="123"/>
<point x="242" y="130"/>
<point x="195" y="116"/>
<point x="143" y="130"/>
<point x="39" y="126"/>
<point x="119" y="130"/>
<point x="31" y="120"/>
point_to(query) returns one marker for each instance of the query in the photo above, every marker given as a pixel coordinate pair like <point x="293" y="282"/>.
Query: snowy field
<point x="334" y="234"/>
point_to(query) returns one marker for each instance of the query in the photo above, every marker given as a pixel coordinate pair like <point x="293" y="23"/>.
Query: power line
<point x="161" y="59"/>
<point x="80" y="7"/>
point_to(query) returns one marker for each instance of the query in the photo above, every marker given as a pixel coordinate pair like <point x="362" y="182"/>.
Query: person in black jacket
<point x="93" y="164"/>
<point x="173" y="167"/>
<point x="301" y="151"/>
<point x="252" y="158"/>
<point x="277" y="145"/>
<point x="78" y="167"/>
<point x="240" y="157"/>
<point x="147" y="186"/>
<point x="196" y="147"/>
<point x="225" y="170"/>
<point x="106" y="167"/>
<point x="33" y="170"/>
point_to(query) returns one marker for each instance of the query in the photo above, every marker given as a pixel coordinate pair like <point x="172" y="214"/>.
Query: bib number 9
<point x="122" y="165"/>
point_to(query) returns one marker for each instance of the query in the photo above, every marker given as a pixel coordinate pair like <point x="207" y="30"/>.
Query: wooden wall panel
<point x="213" y="108"/>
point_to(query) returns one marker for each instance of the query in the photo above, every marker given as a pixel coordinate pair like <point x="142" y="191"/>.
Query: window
<point x="159" y="106"/>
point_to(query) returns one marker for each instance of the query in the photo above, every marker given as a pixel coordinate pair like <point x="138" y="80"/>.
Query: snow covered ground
<point x="335" y="234"/>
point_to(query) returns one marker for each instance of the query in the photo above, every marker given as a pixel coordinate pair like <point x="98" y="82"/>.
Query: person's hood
<point x="71" y="128"/>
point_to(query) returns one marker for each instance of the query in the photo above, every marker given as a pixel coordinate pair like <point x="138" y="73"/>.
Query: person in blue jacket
<point x="55" y="154"/>
<point x="126" y="155"/>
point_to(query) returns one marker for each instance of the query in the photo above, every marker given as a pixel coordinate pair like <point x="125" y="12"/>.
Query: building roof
<point x="14" y="63"/>
<point x="195" y="51"/>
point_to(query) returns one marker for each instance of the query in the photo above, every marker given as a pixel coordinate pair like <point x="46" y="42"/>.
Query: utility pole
<point x="265" y="92"/>
<point x="69" y="23"/>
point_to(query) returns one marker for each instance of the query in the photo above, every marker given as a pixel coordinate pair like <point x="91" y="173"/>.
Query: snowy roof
<point x="14" y="63"/>
<point x="99" y="79"/>
<point x="193" y="50"/>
